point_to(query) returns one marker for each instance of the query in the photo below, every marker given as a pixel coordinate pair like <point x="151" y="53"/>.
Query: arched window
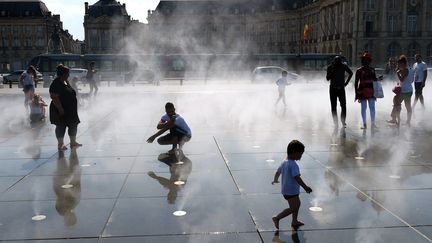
<point x="412" y="49"/>
<point x="393" y="50"/>
<point x="366" y="48"/>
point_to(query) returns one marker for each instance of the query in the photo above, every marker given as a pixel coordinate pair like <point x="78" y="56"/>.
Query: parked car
<point x="142" y="75"/>
<point x="271" y="74"/>
<point x="15" y="75"/>
<point x="79" y="73"/>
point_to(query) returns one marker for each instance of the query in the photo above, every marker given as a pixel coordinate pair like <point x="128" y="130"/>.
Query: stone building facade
<point x="385" y="28"/>
<point x="107" y="27"/>
<point x="26" y="28"/>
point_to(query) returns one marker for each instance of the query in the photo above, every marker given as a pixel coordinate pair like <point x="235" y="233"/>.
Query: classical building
<point x="107" y="27"/>
<point x="385" y="28"/>
<point x="26" y="28"/>
<point x="225" y="26"/>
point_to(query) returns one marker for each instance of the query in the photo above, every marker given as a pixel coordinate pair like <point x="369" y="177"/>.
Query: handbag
<point x="397" y="89"/>
<point x="378" y="90"/>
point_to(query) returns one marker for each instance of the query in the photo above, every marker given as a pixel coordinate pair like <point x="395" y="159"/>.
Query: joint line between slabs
<point x="238" y="188"/>
<point x="373" y="200"/>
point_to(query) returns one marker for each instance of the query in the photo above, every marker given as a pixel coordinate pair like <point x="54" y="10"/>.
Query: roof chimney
<point x="86" y="7"/>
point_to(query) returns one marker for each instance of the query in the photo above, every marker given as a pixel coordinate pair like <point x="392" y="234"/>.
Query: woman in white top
<point x="406" y="78"/>
<point x="27" y="80"/>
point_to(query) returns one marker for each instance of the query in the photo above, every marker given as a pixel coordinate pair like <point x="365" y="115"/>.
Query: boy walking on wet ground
<point x="179" y="131"/>
<point x="282" y="83"/>
<point x="291" y="182"/>
<point x="336" y="75"/>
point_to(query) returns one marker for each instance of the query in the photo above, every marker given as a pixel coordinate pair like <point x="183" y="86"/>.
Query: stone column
<point x="404" y="17"/>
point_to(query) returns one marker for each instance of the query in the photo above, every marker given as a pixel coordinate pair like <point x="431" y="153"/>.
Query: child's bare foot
<point x="276" y="222"/>
<point x="297" y="224"/>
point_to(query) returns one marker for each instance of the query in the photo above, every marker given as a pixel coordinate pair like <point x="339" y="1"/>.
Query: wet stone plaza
<point x="368" y="185"/>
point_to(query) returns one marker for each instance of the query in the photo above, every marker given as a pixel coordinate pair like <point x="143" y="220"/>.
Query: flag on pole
<point x="305" y="31"/>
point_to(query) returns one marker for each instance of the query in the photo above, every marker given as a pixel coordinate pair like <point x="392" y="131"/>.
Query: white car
<point x="79" y="73"/>
<point x="271" y="74"/>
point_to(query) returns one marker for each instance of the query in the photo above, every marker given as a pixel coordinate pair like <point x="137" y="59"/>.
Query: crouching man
<point x="179" y="131"/>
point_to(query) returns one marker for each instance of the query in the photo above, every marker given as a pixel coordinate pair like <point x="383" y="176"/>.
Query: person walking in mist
<point x="27" y="80"/>
<point x="91" y="79"/>
<point x="179" y="131"/>
<point x="364" y="92"/>
<point x="64" y="108"/>
<point x="336" y="75"/>
<point x="390" y="69"/>
<point x="282" y="82"/>
<point x="420" y="76"/>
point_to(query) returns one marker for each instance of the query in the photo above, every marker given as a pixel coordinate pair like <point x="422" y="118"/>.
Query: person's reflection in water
<point x="179" y="173"/>
<point x="294" y="237"/>
<point x="67" y="175"/>
<point x="33" y="147"/>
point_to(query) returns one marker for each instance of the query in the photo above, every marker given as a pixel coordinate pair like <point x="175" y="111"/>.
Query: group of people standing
<point x="365" y="94"/>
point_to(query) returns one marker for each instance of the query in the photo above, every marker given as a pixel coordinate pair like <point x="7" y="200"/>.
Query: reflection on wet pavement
<point x="369" y="186"/>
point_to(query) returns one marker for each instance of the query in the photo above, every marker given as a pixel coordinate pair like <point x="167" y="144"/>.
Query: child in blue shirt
<point x="291" y="182"/>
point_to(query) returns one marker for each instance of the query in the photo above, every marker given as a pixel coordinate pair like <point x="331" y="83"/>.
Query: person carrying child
<point x="291" y="182"/>
<point x="37" y="109"/>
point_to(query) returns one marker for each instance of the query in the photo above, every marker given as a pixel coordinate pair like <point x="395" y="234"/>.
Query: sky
<point x="72" y="12"/>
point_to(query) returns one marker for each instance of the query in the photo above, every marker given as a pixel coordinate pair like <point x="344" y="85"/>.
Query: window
<point x="370" y="4"/>
<point x="106" y="44"/>
<point x="413" y="48"/>
<point x="429" y="50"/>
<point x="28" y="41"/>
<point x="392" y="4"/>
<point x="393" y="50"/>
<point x="412" y="23"/>
<point x="93" y="39"/>
<point x="369" y="24"/>
<point x="391" y="23"/>
<point x="5" y="33"/>
<point x="368" y="47"/>
<point x="429" y="23"/>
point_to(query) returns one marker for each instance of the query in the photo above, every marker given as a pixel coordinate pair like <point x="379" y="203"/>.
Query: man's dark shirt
<point x="336" y="75"/>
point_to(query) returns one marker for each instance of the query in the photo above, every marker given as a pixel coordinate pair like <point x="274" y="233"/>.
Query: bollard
<point x="10" y="84"/>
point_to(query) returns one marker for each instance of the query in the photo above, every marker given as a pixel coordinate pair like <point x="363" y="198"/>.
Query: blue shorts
<point x="28" y="88"/>
<point x="290" y="196"/>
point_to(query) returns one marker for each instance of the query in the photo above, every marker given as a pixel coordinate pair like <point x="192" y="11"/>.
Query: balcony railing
<point x="394" y="34"/>
<point x="414" y="34"/>
<point x="371" y="34"/>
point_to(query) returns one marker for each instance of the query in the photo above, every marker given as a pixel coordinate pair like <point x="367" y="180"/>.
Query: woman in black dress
<point x="64" y="108"/>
